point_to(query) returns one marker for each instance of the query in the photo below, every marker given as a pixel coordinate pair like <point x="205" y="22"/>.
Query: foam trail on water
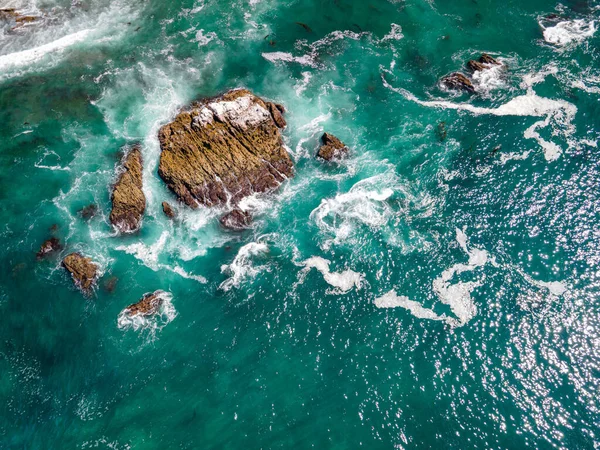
<point x="149" y="255"/>
<point x="393" y="300"/>
<point x="341" y="281"/>
<point x="241" y="267"/>
<point x="527" y="105"/>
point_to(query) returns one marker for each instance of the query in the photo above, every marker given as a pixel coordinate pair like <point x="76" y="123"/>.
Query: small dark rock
<point x="149" y="304"/>
<point x="237" y="220"/>
<point x="332" y="148"/>
<point x="49" y="246"/>
<point x="441" y="131"/>
<point x="110" y="284"/>
<point x="459" y="81"/>
<point x="168" y="210"/>
<point x="89" y="211"/>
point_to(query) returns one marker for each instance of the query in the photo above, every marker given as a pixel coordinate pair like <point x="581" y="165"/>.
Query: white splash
<point x="241" y="267"/>
<point x="365" y="204"/>
<point x="568" y="31"/>
<point x="155" y="322"/>
<point x="395" y="34"/>
<point x="204" y="39"/>
<point x="341" y="281"/>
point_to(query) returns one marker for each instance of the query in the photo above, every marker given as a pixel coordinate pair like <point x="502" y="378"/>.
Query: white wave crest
<point x="25" y="57"/>
<point x="341" y="281"/>
<point x="166" y="313"/>
<point x="392" y="300"/>
<point x="242" y="267"/>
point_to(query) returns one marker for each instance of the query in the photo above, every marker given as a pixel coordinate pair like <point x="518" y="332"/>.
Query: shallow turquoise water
<point x="489" y="238"/>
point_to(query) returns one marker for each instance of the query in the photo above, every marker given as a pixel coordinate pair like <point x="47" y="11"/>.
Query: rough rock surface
<point x="49" y="246"/>
<point x="458" y="80"/>
<point x="168" y="210"/>
<point x="236" y="220"/>
<point x="332" y="148"/>
<point x="224" y="149"/>
<point x="82" y="269"/>
<point x="149" y="304"/>
<point x="484" y="62"/>
<point x="128" y="200"/>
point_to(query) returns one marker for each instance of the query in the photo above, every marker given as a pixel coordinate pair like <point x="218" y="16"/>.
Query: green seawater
<point x="437" y="289"/>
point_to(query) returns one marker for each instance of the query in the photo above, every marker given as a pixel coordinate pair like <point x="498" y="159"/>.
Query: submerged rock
<point x="484" y="62"/>
<point x="237" y="220"/>
<point x="49" y="246"/>
<point x="458" y="81"/>
<point x="332" y="148"/>
<point x="128" y="200"/>
<point x="149" y="304"/>
<point x="88" y="211"/>
<point x="83" y="271"/>
<point x="224" y="149"/>
<point x="168" y="210"/>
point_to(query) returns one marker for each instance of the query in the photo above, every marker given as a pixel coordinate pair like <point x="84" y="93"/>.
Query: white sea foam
<point x="25" y="57"/>
<point x="395" y="34"/>
<point x="149" y="256"/>
<point x="490" y="78"/>
<point x="557" y="111"/>
<point x="392" y="300"/>
<point x="569" y="31"/>
<point x="305" y="60"/>
<point x="364" y="204"/>
<point x="457" y="294"/>
<point x="166" y="313"/>
<point x="341" y="281"/>
<point x="242" y="268"/>
<point x="204" y="39"/>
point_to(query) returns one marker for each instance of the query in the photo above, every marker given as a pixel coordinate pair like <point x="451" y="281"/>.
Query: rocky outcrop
<point x="49" y="247"/>
<point x="83" y="271"/>
<point x="128" y="200"/>
<point x="224" y="149"/>
<point x="237" y="220"/>
<point x="485" y="61"/>
<point x="168" y="210"/>
<point x="332" y="148"/>
<point x="458" y="81"/>
<point x="149" y="304"/>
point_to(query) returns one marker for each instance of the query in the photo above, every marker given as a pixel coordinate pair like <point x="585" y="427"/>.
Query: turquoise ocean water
<point x="438" y="289"/>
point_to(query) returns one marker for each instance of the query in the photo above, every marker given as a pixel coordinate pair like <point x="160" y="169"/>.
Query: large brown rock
<point x="83" y="271"/>
<point x="332" y="148"/>
<point x="224" y="149"/>
<point x="149" y="304"/>
<point x="128" y="200"/>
